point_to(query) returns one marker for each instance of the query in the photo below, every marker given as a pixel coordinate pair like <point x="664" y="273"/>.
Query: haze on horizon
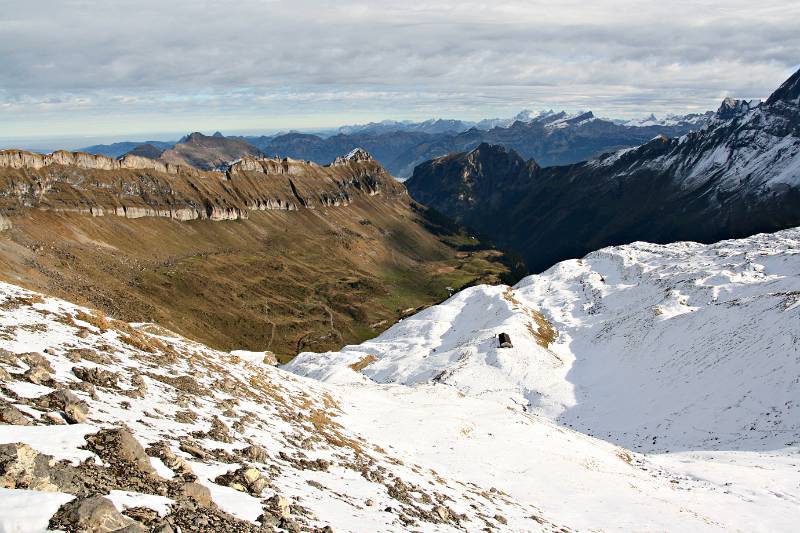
<point x="111" y="69"/>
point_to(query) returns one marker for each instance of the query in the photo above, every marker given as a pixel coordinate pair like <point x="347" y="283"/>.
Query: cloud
<point x="150" y="64"/>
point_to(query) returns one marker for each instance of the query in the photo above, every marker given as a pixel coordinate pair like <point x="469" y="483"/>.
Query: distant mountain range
<point x="552" y="138"/>
<point x="549" y="137"/>
<point x="737" y="176"/>
<point x="121" y="148"/>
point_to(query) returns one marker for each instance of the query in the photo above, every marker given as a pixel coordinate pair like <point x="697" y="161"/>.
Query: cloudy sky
<point x="126" y="68"/>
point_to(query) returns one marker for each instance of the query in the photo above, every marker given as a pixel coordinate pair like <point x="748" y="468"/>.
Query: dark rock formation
<point x="738" y="176"/>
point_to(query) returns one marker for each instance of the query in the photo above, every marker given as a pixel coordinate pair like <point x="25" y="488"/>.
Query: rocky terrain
<point x="108" y="426"/>
<point x="136" y="186"/>
<point x="737" y="176"/>
<point x="271" y="254"/>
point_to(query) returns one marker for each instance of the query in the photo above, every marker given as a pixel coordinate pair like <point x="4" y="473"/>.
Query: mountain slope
<point x="274" y="254"/>
<point x="738" y="176"/>
<point x="654" y="347"/>
<point x="230" y="441"/>
<point x="174" y="433"/>
<point x="685" y="352"/>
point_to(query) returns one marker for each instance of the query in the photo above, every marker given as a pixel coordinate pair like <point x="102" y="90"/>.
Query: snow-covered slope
<point x="656" y="347"/>
<point x="357" y="455"/>
<point x="746" y="146"/>
<point x="687" y="352"/>
<point x="268" y="446"/>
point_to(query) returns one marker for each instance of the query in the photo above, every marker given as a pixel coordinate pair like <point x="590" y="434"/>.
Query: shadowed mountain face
<point x="121" y="148"/>
<point x="208" y="153"/>
<point x="738" y="176"/>
<point x="272" y="254"/>
<point x="550" y="138"/>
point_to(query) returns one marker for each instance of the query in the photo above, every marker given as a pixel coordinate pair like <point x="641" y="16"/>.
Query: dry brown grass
<point x="544" y="332"/>
<point x="363" y="363"/>
<point x="96" y="319"/>
<point x="279" y="281"/>
<point x="21" y="301"/>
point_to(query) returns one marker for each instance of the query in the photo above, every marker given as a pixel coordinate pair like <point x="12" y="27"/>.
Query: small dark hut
<point x="505" y="340"/>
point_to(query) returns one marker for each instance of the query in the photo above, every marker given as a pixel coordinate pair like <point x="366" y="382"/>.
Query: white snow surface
<point x="28" y="511"/>
<point x="685" y="352"/>
<point x="649" y="388"/>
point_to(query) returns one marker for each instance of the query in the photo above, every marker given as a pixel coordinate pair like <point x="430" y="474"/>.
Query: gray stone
<point x="257" y="454"/>
<point x="94" y="514"/>
<point x="37" y="375"/>
<point x="75" y="409"/>
<point x="35" y="359"/>
<point x="119" y="445"/>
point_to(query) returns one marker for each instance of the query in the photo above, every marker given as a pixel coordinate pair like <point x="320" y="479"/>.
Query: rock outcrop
<point x="21" y="159"/>
<point x="136" y="187"/>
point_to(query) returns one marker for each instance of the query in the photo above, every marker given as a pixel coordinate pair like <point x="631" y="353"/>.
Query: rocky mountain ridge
<point x="21" y="159"/>
<point x="134" y="186"/>
<point x="205" y="152"/>
<point x="737" y="176"/>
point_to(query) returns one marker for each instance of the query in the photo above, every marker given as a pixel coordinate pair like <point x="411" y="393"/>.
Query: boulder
<point x="35" y="359"/>
<point x="96" y="376"/>
<point x="74" y="409"/>
<point x="245" y="479"/>
<point x="93" y="514"/>
<point x="22" y="467"/>
<point x="197" y="492"/>
<point x="8" y="357"/>
<point x="255" y="453"/>
<point x="11" y="415"/>
<point x="119" y="446"/>
<point x="219" y="431"/>
<point x="279" y="506"/>
<point x="37" y="375"/>
<point x="442" y="513"/>
<point x="177" y="464"/>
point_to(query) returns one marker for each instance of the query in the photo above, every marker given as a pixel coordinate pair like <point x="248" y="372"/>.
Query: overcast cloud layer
<point x="74" y="67"/>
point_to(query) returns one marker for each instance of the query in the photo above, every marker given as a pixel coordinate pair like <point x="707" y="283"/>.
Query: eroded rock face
<point x="22" y="467"/>
<point x="136" y="187"/>
<point x="20" y="159"/>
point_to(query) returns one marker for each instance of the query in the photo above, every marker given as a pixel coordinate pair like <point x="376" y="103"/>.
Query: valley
<point x="256" y="261"/>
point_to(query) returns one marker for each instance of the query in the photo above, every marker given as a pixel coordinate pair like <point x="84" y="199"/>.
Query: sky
<point x="80" y="70"/>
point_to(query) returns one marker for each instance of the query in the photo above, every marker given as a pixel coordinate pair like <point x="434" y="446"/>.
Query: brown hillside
<point x="275" y="254"/>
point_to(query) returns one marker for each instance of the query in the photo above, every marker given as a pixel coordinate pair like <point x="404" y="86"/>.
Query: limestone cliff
<point x="135" y="187"/>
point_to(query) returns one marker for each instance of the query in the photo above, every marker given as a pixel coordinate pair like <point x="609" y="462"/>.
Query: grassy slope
<point x="284" y="281"/>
